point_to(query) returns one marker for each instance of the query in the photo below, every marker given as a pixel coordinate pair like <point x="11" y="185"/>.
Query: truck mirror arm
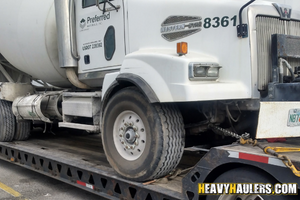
<point x="242" y="29"/>
<point x="113" y="7"/>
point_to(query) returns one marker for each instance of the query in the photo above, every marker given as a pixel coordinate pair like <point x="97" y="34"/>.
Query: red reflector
<point x="272" y="140"/>
<point x="85" y="185"/>
<point x="81" y="183"/>
<point x="261" y="159"/>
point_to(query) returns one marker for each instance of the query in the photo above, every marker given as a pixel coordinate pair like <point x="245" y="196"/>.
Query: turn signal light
<point x="182" y="48"/>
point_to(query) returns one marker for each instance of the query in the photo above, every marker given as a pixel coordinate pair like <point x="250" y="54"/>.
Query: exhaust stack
<point x="64" y="11"/>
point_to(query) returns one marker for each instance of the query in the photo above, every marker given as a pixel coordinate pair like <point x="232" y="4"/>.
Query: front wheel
<point x="142" y="141"/>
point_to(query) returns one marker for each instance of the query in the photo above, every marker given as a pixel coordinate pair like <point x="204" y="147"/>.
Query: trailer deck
<point x="80" y="161"/>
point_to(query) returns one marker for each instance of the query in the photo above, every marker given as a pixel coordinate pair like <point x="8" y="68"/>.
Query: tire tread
<point x="22" y="130"/>
<point x="173" y="127"/>
<point x="8" y="122"/>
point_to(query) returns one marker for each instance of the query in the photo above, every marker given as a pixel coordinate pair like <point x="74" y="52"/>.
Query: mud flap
<point x="278" y="120"/>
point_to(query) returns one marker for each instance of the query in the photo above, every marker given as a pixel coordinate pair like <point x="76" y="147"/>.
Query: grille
<point x="188" y="25"/>
<point x="178" y="35"/>
<point x="265" y="27"/>
<point x="179" y="19"/>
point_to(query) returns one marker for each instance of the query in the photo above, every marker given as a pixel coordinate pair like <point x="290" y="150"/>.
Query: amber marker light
<point x="182" y="48"/>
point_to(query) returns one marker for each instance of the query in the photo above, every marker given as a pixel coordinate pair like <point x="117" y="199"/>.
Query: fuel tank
<point x="28" y="39"/>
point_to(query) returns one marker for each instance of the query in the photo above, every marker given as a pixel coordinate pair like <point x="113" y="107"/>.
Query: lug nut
<point x="122" y="142"/>
<point x="131" y="147"/>
<point x="120" y="135"/>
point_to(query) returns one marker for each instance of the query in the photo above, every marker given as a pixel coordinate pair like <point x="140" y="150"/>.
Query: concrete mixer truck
<point x="153" y="77"/>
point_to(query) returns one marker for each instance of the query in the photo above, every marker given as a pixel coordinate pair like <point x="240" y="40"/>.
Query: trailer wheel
<point x="246" y="175"/>
<point x="142" y="141"/>
<point x="7" y="122"/>
<point x="23" y="129"/>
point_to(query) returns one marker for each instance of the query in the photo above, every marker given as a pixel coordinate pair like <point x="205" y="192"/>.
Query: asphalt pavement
<point x="17" y="183"/>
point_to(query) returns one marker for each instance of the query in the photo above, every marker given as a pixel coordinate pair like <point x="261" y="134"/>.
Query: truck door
<point x="100" y="35"/>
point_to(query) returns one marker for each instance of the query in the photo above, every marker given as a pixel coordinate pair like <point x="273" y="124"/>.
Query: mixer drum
<point x="28" y="39"/>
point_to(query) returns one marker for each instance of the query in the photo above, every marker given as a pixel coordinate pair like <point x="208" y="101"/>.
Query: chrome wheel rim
<point x="129" y="135"/>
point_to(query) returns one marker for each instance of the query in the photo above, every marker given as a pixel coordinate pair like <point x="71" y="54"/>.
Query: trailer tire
<point x="152" y="136"/>
<point x="245" y="175"/>
<point x="23" y="129"/>
<point x="7" y="122"/>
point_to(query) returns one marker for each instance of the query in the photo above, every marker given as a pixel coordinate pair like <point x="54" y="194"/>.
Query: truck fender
<point x="121" y="81"/>
<point x="140" y="83"/>
<point x="157" y="68"/>
<point x="168" y="74"/>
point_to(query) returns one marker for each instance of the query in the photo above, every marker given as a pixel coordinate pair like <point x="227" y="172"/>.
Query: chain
<point x="245" y="139"/>
<point x="242" y="139"/>
<point x="269" y="150"/>
<point x="225" y="132"/>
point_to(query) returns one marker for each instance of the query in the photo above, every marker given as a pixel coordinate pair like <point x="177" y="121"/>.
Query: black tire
<point x="7" y="122"/>
<point x="23" y="129"/>
<point x="246" y="175"/>
<point x="163" y="130"/>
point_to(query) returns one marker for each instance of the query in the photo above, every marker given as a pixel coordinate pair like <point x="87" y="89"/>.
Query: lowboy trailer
<point x="80" y="161"/>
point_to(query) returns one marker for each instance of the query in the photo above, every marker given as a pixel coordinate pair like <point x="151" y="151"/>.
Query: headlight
<point x="213" y="72"/>
<point x="200" y="71"/>
<point x="203" y="71"/>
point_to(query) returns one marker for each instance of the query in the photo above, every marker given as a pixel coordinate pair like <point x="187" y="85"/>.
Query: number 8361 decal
<point x="189" y="25"/>
<point x="216" y="22"/>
